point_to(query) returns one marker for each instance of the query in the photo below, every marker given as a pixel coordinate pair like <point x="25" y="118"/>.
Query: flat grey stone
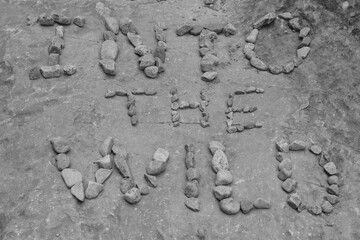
<point x="71" y="177"/>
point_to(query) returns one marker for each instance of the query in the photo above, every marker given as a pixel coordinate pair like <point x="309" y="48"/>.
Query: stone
<point x="222" y="192"/>
<point x="119" y="150"/>
<point x="285" y="163"/>
<point x="192" y="174"/>
<point x="223" y="177"/>
<point x="294" y="200"/>
<point x="315" y="149"/>
<point x="150" y="180"/>
<point x="50" y="71"/>
<point x="295" y="24"/>
<point x="142" y="50"/>
<point x="59" y="31"/>
<point x="209" y="76"/>
<point x="333" y="180"/>
<point x="183" y="104"/>
<point x="282" y="146"/>
<point x="194" y="105"/>
<point x="251" y="38"/>
<point x="216" y="145"/>
<point x="289" y="185"/>
<point x="143" y="188"/>
<point x="314" y="210"/>
<point x="102" y="174"/>
<point x="305" y="42"/>
<point x="204" y="124"/>
<point x="106" y="146"/>
<point x="151" y="71"/>
<point x="60" y="145"/>
<point x="215" y="27"/>
<point x="249" y="50"/>
<point x="108" y="35"/>
<point x="132" y="111"/>
<point x="159" y="64"/>
<point x="69" y="70"/>
<point x="229" y="206"/>
<point x="330" y="168"/>
<point x="326" y="207"/>
<point x="298" y="62"/>
<point x="303" y="52"/>
<point x="78" y="191"/>
<point x="324" y="159"/>
<point x="112" y="24"/>
<point x="191" y="189"/>
<point x="219" y="161"/>
<point x="159" y="34"/>
<point x="62" y="161"/>
<point x="196" y="30"/>
<point x="302" y="207"/>
<point x="304" y="32"/>
<point x="289" y="67"/>
<point x="261" y="203"/>
<point x="121" y="92"/>
<point x="126" y="25"/>
<point x="31" y="20"/>
<point x="61" y="19"/>
<point x="79" y="21"/>
<point x="150" y="91"/>
<point x="122" y="166"/>
<point x="258" y="64"/>
<point x="108" y="66"/>
<point x="138" y="91"/>
<point x="207" y="39"/>
<point x="240" y="128"/>
<point x="109" y="50"/>
<point x="333" y="189"/>
<point x="71" y="177"/>
<point x="46" y="20"/>
<point x="246" y="206"/>
<point x="284" y="174"/>
<point x="147" y="61"/>
<point x="229" y="29"/>
<point x="126" y="184"/>
<point x="208" y="2"/>
<point x="193" y="204"/>
<point x="203" y="51"/>
<point x="275" y="69"/>
<point x="34" y="73"/>
<point x="54" y="59"/>
<point x="160" y="53"/>
<point x="134" y="39"/>
<point x="174" y="106"/>
<point x="183" y="29"/>
<point x="248" y="126"/>
<point x="250" y="90"/>
<point x="162" y="45"/>
<point x="155" y="167"/>
<point x="265" y="20"/>
<point x="332" y="199"/>
<point x="286" y="15"/>
<point x="133" y="195"/>
<point x="208" y="63"/>
<point x="175" y="118"/>
<point x="190" y="160"/>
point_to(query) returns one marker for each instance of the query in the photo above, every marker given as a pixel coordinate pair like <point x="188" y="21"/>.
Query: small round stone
<point x="229" y="206"/>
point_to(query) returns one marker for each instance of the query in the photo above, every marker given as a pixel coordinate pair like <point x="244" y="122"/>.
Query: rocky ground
<point x="318" y="103"/>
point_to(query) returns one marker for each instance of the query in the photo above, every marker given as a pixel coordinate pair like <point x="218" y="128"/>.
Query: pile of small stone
<point x="53" y="68"/>
<point x="208" y="35"/>
<point x="191" y="189"/>
<point x="231" y="110"/>
<point x="303" y="49"/>
<point x="156" y="166"/>
<point x="289" y="185"/>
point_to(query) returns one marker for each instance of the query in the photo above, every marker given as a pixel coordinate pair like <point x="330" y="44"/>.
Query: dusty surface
<point x="318" y="102"/>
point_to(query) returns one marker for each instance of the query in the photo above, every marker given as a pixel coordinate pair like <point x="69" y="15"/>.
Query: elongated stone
<point x="265" y="20"/>
<point x="109" y="50"/>
<point x="50" y="71"/>
<point x="112" y="24"/>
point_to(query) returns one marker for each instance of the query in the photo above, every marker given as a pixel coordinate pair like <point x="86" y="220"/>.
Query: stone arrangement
<point x="222" y="191"/>
<point x="191" y="190"/>
<point x="177" y="105"/>
<point x="289" y="185"/>
<point x="130" y="105"/>
<point x="303" y="48"/>
<point x="53" y="68"/>
<point x="231" y="110"/>
<point x="208" y="35"/>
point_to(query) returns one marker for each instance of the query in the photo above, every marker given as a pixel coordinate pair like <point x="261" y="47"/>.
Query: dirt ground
<point x="319" y="102"/>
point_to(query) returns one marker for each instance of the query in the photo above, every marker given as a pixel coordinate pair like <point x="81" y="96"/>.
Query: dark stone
<point x="54" y="59"/>
<point x="61" y="19"/>
<point x="265" y="20"/>
<point x="191" y="189"/>
<point x="183" y="29"/>
<point x="294" y="200"/>
<point x="193" y="174"/>
<point x="289" y="185"/>
<point x="160" y="53"/>
<point x="79" y="21"/>
<point x="56" y="45"/>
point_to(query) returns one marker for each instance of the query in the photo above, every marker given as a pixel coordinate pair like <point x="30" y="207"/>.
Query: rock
<point x="216" y="145"/>
<point x="62" y="161"/>
<point x="315" y="149"/>
<point x="284" y="174"/>
<point x="258" y="64"/>
<point x="133" y="195"/>
<point x="249" y="50"/>
<point x="160" y="53"/>
<point x="150" y="180"/>
<point x="31" y="20"/>
<point x="203" y="51"/>
<point x="229" y="29"/>
<point x="282" y="146"/>
<point x="194" y="105"/>
<point x="332" y="199"/>
<point x="78" y="191"/>
<point x="134" y="39"/>
<point x="56" y="45"/>
<point x="54" y="59"/>
<point x="326" y="207"/>
<point x="60" y="145"/>
<point x="222" y="192"/>
<point x="122" y="166"/>
<point x="150" y="91"/>
<point x="190" y="160"/>
<point x="330" y="168"/>
<point x="183" y="104"/>
<point x="208" y="2"/>
<point x="265" y="20"/>
<point x="121" y="92"/>
<point x="333" y="180"/>
<point x="159" y="64"/>
<point x="252" y="36"/>
<point x="34" y="73"/>
<point x="250" y="90"/>
<point x="289" y="67"/>
<point x="246" y="206"/>
<point x="192" y="174"/>
<point x="209" y="76"/>
<point x="215" y="27"/>
<point x="159" y="34"/>
<point x="156" y="167"/>
<point x="275" y="69"/>
<point x="297" y="145"/>
<point x="71" y="176"/>
<point x="147" y="61"/>
<point x="304" y="32"/>
<point x="305" y="42"/>
<point x="79" y="21"/>
<point x="303" y="52"/>
<point x="261" y="203"/>
<point x="294" y="200"/>
<point x="69" y="70"/>
<point x="315" y="210"/>
<point x="298" y="62"/>
<point x="208" y="63"/>
<point x="119" y="150"/>
<point x="289" y="185"/>
<point x="324" y="159"/>
<point x="249" y="126"/>
<point x="174" y="106"/>
<point x="143" y="188"/>
<point x="46" y="20"/>
<point x="223" y="177"/>
<point x="102" y="174"/>
<point x="132" y="111"/>
<point x="229" y="206"/>
<point x="295" y="24"/>
<point x="196" y="30"/>
<point x="193" y="204"/>
<point x="112" y="24"/>
<point x="333" y="189"/>
<point x="108" y="66"/>
<point x="183" y="29"/>
<point x="207" y="39"/>
<point x="127" y="26"/>
<point x="286" y="163"/>
<point x="162" y="45"/>
<point x="285" y="16"/>
<point x="106" y="146"/>
<point x="108" y="35"/>
<point x="219" y="161"/>
<point x="59" y="31"/>
<point x="191" y="189"/>
<point x="138" y="91"/>
<point x="50" y="71"/>
<point x="61" y="19"/>
<point x="109" y="50"/>
<point x="126" y="184"/>
<point x="302" y="207"/>
<point x="151" y="71"/>
<point x="240" y="128"/>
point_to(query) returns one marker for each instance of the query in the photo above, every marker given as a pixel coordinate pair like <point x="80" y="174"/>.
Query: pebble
<point x="204" y="124"/>
<point x="34" y="73"/>
<point x="126" y="184"/>
<point x="232" y="129"/>
<point x="275" y="69"/>
<point x="239" y="92"/>
<point x="289" y="67"/>
<point x="258" y="125"/>
<point x="126" y="25"/>
<point x="229" y="206"/>
<point x="330" y="168"/>
<point x="324" y="159"/>
<point x="252" y="36"/>
<point x="305" y="42"/>
<point x="102" y="174"/>
<point x="59" y="31"/>
<point x="155" y="167"/>
<point x="240" y="128"/>
<point x="192" y="174"/>
<point x="50" y="71"/>
<point x="333" y="180"/>
<point x="112" y="24"/>
<point x="191" y="189"/>
<point x="209" y="76"/>
<point x="297" y="145"/>
<point x="333" y="189"/>
<point x="286" y="163"/>
<point x="261" y="203"/>
<point x="174" y="106"/>
<point x="302" y="207"/>
<point x="62" y="161"/>
<point x="295" y="24"/>
<point x="282" y="146"/>
<point x="215" y="27"/>
<point x="79" y="21"/>
<point x="229" y="29"/>
<point x="250" y="90"/>
<point x="265" y="20"/>
<point x="133" y="195"/>
<point x="147" y="61"/>
<point x="304" y="32"/>
<point x="303" y="52"/>
<point x="160" y="53"/>
<point x="143" y="188"/>
<point x="106" y="146"/>
<point x="314" y="210"/>
<point x="78" y="191"/>
<point x="142" y="50"/>
<point x="208" y="63"/>
<point x="71" y="177"/>
<point x="285" y="15"/>
<point x="69" y="70"/>
<point x="162" y="45"/>
<point x="61" y="19"/>
<point x="161" y="155"/>
<point x="260" y="90"/>
<point x="108" y="66"/>
<point x="222" y="192"/>
<point x="138" y="91"/>
<point x="294" y="200"/>
<point x="207" y="39"/>
<point x="60" y="145"/>
<point x="208" y="2"/>
<point x="332" y="199"/>
<point x="46" y="20"/>
<point x="122" y="166"/>
<point x="190" y="160"/>
<point x="183" y="29"/>
<point x="193" y="204"/>
<point x="223" y="177"/>
<point x="203" y="51"/>
<point x="196" y="30"/>
<point x="249" y="51"/>
<point x="258" y="64"/>
<point x="174" y="98"/>
<point x="150" y="180"/>
<point x="134" y="39"/>
<point x="189" y="148"/>
<point x="159" y="34"/>
<point x="183" y="104"/>
<point x="216" y="145"/>
<point x="150" y="92"/>
<point x="132" y="111"/>
<point x="298" y="62"/>
<point x="56" y="45"/>
<point x="284" y="174"/>
<point x="175" y="118"/>
<point x="219" y="161"/>
<point x="248" y="126"/>
<point x="159" y="64"/>
<point x="109" y="50"/>
<point x="315" y="149"/>
<point x="246" y="206"/>
<point x="327" y="207"/>
<point x="289" y="185"/>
